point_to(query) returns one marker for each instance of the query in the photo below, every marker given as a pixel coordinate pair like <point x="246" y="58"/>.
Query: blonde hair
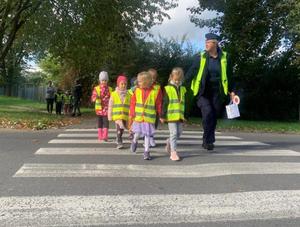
<point x="152" y="70"/>
<point x="177" y="71"/>
<point x="145" y="77"/>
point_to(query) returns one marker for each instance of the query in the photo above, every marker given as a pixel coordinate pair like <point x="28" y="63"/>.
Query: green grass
<point x="21" y="113"/>
<point x="254" y="126"/>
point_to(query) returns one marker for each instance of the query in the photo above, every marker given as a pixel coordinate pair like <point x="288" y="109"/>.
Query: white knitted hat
<point x="103" y="76"/>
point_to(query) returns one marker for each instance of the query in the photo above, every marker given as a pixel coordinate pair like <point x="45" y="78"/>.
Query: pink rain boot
<point x="105" y="134"/>
<point x="100" y="134"/>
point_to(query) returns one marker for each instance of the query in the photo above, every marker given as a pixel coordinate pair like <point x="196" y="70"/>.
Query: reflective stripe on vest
<point x="120" y="111"/>
<point x="195" y="86"/>
<point x="176" y="105"/>
<point x="145" y="112"/>
<point x="98" y="105"/>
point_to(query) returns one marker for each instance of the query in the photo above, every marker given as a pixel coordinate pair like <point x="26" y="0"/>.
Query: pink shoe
<point x="105" y="134"/>
<point x="100" y="134"/>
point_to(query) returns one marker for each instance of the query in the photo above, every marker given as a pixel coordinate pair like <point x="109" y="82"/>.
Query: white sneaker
<point x="152" y="142"/>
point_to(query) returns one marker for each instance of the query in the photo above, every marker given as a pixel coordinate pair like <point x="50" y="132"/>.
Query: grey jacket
<point x="50" y="93"/>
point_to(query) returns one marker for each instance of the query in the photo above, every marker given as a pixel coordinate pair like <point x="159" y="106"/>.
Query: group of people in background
<point x="140" y="108"/>
<point x="65" y="102"/>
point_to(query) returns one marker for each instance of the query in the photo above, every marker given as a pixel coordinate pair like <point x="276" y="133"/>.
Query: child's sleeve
<point x="132" y="106"/>
<point x="110" y="106"/>
<point x="94" y="96"/>
<point x="158" y="102"/>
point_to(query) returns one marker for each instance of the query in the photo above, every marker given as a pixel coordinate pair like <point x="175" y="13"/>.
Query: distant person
<point x="59" y="98"/>
<point x="77" y="95"/>
<point x="50" y="95"/>
<point x="68" y="99"/>
<point x="211" y="83"/>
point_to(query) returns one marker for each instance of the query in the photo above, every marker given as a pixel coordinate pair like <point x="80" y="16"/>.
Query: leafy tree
<point x="294" y="26"/>
<point x="13" y="15"/>
<point x="84" y="35"/>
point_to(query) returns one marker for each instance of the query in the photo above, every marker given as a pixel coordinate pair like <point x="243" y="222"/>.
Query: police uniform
<point x="210" y="79"/>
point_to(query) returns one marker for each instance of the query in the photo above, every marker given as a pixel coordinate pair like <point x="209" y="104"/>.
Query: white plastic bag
<point x="232" y="110"/>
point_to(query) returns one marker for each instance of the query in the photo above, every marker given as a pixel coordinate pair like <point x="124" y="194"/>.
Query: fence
<point x="26" y="91"/>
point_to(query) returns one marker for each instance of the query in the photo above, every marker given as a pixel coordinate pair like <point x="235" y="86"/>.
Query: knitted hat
<point x="103" y="76"/>
<point x="121" y="78"/>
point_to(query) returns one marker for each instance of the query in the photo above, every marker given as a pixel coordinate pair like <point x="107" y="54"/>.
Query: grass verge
<point x="253" y="126"/>
<point x="26" y="114"/>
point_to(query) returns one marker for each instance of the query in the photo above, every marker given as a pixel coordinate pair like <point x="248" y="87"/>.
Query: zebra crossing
<point x="140" y="208"/>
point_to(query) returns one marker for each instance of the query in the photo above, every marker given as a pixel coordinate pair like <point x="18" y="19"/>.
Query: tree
<point x="294" y="27"/>
<point x="13" y="15"/>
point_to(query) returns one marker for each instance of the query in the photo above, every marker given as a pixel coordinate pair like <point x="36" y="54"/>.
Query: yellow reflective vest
<point x="67" y="99"/>
<point x="195" y="86"/>
<point x="120" y="111"/>
<point x="156" y="87"/>
<point x="98" y="105"/>
<point x="176" y="107"/>
<point x="145" y="112"/>
<point x="59" y="97"/>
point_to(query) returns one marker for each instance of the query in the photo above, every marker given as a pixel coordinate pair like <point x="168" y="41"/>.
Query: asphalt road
<point x="66" y="178"/>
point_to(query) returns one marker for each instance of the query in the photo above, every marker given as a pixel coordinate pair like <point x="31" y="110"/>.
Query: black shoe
<point x="208" y="146"/>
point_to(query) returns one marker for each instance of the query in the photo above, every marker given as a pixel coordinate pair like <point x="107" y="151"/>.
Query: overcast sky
<point x="180" y="24"/>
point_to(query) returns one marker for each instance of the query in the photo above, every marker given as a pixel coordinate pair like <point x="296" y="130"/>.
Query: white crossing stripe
<point x="113" y="130"/>
<point x="90" y="151"/>
<point x="148" y="209"/>
<point x="180" y="142"/>
<point x="113" y="135"/>
<point x="157" y="171"/>
<point x="161" y="152"/>
<point x="275" y="153"/>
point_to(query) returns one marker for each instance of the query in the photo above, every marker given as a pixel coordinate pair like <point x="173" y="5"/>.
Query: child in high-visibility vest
<point x="68" y="99"/>
<point x="155" y="84"/>
<point x="101" y="96"/>
<point x="118" y="108"/>
<point x="173" y="110"/>
<point x="58" y="99"/>
<point x="144" y="107"/>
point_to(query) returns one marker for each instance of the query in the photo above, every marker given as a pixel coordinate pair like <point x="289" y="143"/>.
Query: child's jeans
<point x="175" y="129"/>
<point x="120" y="126"/>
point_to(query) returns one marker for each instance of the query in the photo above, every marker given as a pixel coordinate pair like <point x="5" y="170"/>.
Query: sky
<point x="180" y="24"/>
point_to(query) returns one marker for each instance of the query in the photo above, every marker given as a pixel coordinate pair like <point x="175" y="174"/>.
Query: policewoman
<point x="210" y="79"/>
